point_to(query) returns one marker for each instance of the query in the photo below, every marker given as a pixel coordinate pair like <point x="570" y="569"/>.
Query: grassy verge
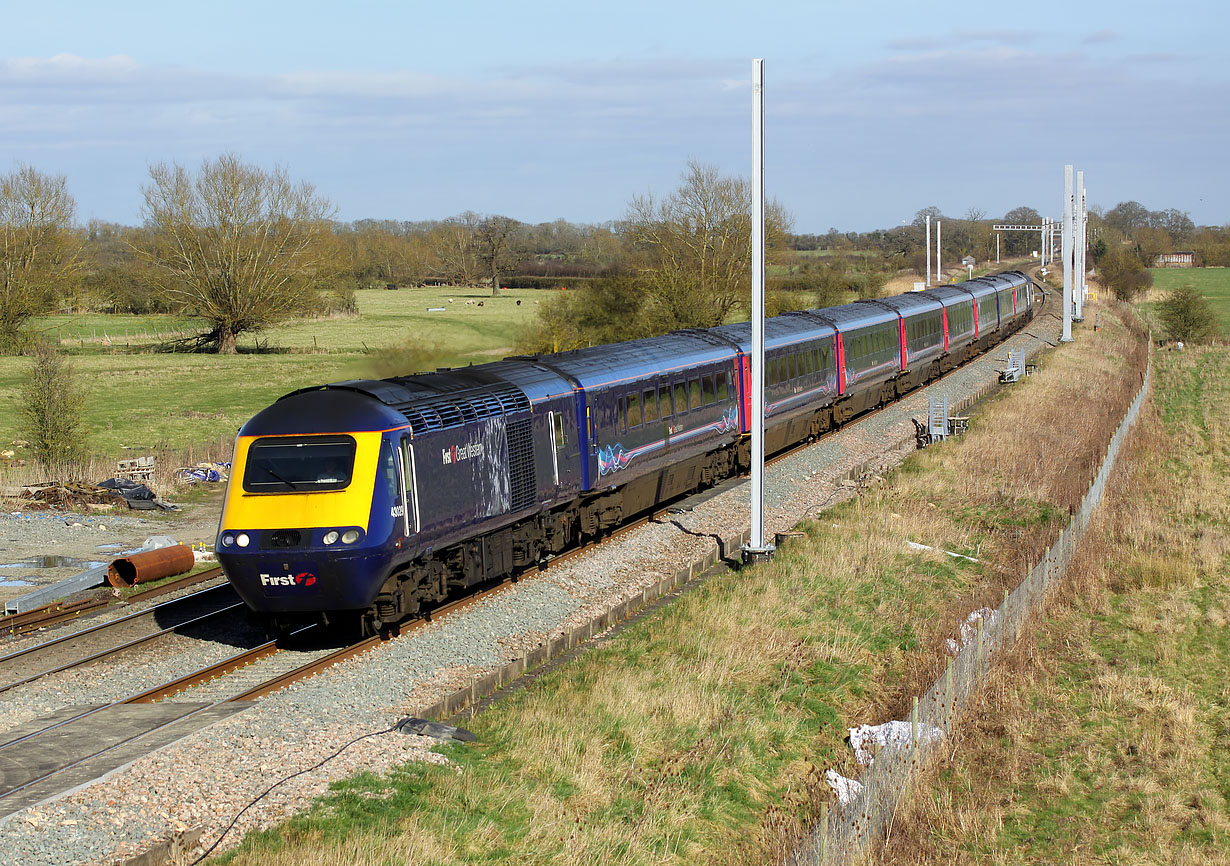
<point x="1213" y="283"/>
<point x="1110" y="741"/>
<point x="701" y="734"/>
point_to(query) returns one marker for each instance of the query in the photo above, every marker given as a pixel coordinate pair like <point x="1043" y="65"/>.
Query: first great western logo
<point x="457" y="453"/>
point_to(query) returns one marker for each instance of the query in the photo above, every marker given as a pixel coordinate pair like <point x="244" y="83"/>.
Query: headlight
<point x="242" y="539"/>
<point x="228" y="540"/>
<point x="350" y="536"/>
<point x="330" y="537"/>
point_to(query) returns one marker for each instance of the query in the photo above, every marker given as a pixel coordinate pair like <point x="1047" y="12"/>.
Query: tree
<point x="38" y="253"/>
<point x="1021" y="243"/>
<point x="1177" y="224"/>
<point x="920" y="216"/>
<point x="1122" y="272"/>
<point x="694" y="248"/>
<point x="1151" y="243"/>
<point x="1127" y="216"/>
<point x="52" y="410"/>
<point x="454" y="245"/>
<point x="605" y="311"/>
<point x="494" y="237"/>
<point x="1187" y="315"/>
<point x="236" y="245"/>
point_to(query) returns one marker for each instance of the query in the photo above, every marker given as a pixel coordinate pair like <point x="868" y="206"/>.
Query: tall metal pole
<point x="928" y="245"/>
<point x="997" y="248"/>
<point x="757" y="550"/>
<point x="1046" y="240"/>
<point x="1067" y="255"/>
<point x="1078" y="249"/>
<point x="939" y="270"/>
<point x="1084" y="244"/>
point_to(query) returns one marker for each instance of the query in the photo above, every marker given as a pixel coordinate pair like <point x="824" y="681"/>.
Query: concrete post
<point x="1078" y="249"/>
<point x="1067" y="255"/>
<point x="939" y="269"/>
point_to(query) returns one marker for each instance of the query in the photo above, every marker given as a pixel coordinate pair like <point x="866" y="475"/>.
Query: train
<point x="370" y="501"/>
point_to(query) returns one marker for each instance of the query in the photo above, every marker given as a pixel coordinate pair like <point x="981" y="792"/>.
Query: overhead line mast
<point x="757" y="550"/>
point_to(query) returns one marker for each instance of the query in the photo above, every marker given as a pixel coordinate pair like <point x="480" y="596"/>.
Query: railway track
<point x="80" y="743"/>
<point x="93" y="644"/>
<point x="59" y="612"/>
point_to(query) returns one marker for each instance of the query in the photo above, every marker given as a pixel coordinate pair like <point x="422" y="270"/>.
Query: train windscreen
<point x="299" y="464"/>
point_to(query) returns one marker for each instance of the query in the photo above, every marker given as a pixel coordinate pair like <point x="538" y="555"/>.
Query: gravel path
<point x="205" y="779"/>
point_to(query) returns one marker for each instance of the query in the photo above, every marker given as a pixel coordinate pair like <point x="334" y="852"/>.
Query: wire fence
<point x="844" y="833"/>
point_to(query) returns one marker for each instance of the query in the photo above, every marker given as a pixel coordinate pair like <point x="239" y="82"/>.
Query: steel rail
<point x="227" y="666"/>
<point x="153" y="612"/>
<point x="59" y="611"/>
<point x="101" y="654"/>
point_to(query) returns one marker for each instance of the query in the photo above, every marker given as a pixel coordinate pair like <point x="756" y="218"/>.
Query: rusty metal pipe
<point x="150" y="565"/>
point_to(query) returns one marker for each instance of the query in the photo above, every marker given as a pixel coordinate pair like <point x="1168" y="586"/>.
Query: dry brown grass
<point x="1106" y="739"/>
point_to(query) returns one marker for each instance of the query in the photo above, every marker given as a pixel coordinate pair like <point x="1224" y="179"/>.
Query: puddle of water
<point x="113" y="546"/>
<point x="15" y="583"/>
<point x="53" y="561"/>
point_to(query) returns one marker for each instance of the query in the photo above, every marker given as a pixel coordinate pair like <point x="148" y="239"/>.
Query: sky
<point x="547" y="110"/>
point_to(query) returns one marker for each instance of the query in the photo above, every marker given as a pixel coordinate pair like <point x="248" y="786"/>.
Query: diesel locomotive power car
<point x="371" y="499"/>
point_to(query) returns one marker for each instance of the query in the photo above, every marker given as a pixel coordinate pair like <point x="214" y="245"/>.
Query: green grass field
<point x="1213" y="283"/>
<point x="141" y="400"/>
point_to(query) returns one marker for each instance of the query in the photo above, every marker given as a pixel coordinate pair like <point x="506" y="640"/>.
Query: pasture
<point x="138" y="400"/>
<point x="1213" y="283"/>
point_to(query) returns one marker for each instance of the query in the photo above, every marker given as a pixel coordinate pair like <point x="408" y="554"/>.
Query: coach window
<point x="694" y="400"/>
<point x="560" y="439"/>
<point x="681" y="398"/>
<point x="710" y="389"/>
<point x="650" y="407"/>
<point x="634" y="410"/>
<point x="621" y="408"/>
<point x="723" y="383"/>
<point x="664" y="398"/>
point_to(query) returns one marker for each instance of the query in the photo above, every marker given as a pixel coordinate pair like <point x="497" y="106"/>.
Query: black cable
<point x="262" y="795"/>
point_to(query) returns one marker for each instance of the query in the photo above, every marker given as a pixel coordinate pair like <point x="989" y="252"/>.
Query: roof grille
<point x="444" y="411"/>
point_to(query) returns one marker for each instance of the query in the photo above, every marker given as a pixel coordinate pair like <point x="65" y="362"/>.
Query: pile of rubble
<point x="76" y="496"/>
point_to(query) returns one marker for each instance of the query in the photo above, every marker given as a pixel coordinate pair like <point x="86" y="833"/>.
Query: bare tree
<point x="38" y="252"/>
<point x="455" y="247"/>
<point x="236" y="245"/>
<point x="695" y="247"/>
<point x="494" y="235"/>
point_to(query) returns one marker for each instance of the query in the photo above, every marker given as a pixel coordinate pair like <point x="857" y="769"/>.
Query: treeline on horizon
<point x="244" y="248"/>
